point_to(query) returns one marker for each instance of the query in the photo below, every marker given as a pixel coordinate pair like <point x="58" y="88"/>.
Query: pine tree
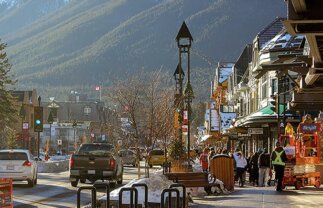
<point x="8" y="108"/>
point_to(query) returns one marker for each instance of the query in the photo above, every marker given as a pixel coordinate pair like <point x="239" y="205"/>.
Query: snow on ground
<point x="156" y="183"/>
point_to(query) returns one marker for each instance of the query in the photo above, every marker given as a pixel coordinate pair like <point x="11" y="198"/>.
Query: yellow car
<point x="156" y="157"/>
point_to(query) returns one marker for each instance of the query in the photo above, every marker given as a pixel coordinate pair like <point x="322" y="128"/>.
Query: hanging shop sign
<point x="255" y="130"/>
<point x="309" y="128"/>
<point x="243" y="135"/>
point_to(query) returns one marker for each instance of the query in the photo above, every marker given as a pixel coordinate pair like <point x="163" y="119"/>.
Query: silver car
<point x="128" y="157"/>
<point x="19" y="165"/>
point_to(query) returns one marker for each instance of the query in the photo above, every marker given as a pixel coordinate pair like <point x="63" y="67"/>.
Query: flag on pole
<point x="97" y="88"/>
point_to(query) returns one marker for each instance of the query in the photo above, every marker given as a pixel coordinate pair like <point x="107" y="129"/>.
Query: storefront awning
<point x="263" y="115"/>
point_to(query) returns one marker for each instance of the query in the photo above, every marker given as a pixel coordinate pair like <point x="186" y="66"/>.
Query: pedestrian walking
<point x="241" y="164"/>
<point x="278" y="159"/>
<point x="204" y="159"/>
<point x="254" y="168"/>
<point x="264" y="167"/>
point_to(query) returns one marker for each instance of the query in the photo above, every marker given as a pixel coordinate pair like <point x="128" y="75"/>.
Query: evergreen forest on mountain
<point x="56" y="46"/>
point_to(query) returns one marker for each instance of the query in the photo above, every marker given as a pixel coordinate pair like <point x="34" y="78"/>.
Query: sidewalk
<point x="263" y="197"/>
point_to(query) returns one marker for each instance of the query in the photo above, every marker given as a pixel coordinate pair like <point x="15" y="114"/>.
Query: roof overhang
<point x="285" y="63"/>
<point x="313" y="30"/>
<point x="307" y="99"/>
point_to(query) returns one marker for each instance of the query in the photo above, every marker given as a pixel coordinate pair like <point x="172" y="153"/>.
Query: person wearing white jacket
<point x="241" y="163"/>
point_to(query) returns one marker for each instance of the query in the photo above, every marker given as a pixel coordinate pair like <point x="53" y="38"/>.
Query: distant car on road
<point x="18" y="164"/>
<point x="58" y="157"/>
<point x="128" y="157"/>
<point x="156" y="157"/>
<point x="142" y="152"/>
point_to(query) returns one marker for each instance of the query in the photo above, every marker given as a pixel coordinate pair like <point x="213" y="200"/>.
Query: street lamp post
<point x="22" y="115"/>
<point x="189" y="95"/>
<point x="184" y="41"/>
<point x="74" y="126"/>
<point x="50" y="120"/>
<point x="38" y="141"/>
<point x="179" y="77"/>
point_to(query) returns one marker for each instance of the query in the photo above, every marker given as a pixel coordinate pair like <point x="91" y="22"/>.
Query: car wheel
<point x="74" y="183"/>
<point x="119" y="181"/>
<point x="82" y="180"/>
<point x="30" y="182"/>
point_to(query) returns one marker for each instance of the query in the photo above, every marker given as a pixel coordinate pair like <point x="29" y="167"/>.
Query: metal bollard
<point x="131" y="190"/>
<point x="184" y="191"/>
<point x="107" y="188"/>
<point x="169" y="191"/>
<point x="93" y="194"/>
<point x="146" y="191"/>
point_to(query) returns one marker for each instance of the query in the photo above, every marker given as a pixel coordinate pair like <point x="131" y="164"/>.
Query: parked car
<point x="58" y="157"/>
<point x="18" y="164"/>
<point x="95" y="161"/>
<point x="128" y="157"/>
<point x="141" y="151"/>
<point x="156" y="157"/>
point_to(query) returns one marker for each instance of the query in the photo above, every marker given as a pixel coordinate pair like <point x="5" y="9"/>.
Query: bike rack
<point x="131" y="190"/>
<point x="107" y="188"/>
<point x="184" y="191"/>
<point x="93" y="194"/>
<point x="169" y="191"/>
<point x="146" y="191"/>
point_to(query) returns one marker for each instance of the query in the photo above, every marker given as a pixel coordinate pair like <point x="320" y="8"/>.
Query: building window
<point x="227" y="109"/>
<point x="274" y="86"/>
<point x="264" y="87"/>
<point x="87" y="110"/>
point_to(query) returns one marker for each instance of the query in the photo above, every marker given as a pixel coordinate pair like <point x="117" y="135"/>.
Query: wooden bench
<point x="192" y="179"/>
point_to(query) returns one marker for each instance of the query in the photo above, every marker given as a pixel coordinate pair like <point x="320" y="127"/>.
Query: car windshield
<point x="157" y="152"/>
<point x="13" y="156"/>
<point x="96" y="149"/>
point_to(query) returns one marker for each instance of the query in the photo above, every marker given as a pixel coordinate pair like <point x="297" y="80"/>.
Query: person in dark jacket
<point x="264" y="167"/>
<point x="278" y="159"/>
<point x="254" y="169"/>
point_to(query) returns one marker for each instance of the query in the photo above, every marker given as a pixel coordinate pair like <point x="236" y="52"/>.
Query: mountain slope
<point x="87" y="42"/>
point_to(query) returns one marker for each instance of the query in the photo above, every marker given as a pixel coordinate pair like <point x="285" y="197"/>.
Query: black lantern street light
<point x="179" y="77"/>
<point x="184" y="41"/>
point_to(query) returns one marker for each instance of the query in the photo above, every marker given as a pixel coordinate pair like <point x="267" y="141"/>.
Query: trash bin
<point x="222" y="167"/>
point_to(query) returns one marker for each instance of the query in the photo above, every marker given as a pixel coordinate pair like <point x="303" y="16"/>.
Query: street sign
<point x="255" y="131"/>
<point x="25" y="125"/>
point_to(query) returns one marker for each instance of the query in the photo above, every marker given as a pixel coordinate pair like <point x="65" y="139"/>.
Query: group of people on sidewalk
<point x="260" y="165"/>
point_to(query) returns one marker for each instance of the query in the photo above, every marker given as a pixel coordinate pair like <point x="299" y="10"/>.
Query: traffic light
<point x="273" y="103"/>
<point x="38" y="119"/>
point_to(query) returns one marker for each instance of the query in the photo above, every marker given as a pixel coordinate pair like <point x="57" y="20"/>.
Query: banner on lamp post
<point x="184" y="129"/>
<point x="185" y="117"/>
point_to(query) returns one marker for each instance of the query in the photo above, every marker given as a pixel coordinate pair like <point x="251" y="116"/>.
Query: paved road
<point x="54" y="190"/>
<point x="265" y="197"/>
